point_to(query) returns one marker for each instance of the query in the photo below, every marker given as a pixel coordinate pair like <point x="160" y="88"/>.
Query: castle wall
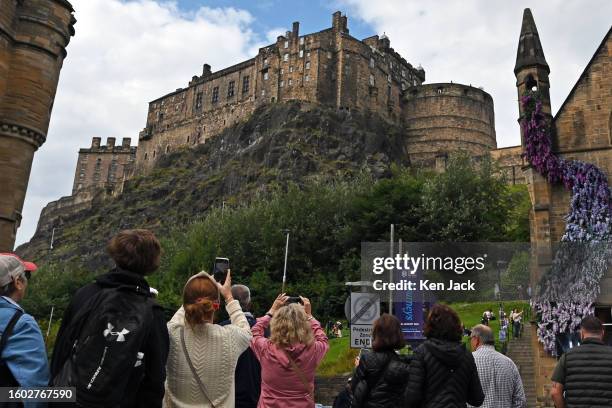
<point x="33" y="38"/>
<point x="511" y="162"/>
<point x="444" y="118"/>
<point x="103" y="166"/>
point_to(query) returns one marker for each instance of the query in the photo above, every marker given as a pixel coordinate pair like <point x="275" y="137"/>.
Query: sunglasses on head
<point x="28" y="275"/>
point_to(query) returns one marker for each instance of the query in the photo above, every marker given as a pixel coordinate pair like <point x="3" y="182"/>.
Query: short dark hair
<point x="136" y="250"/>
<point x="387" y="334"/>
<point x="443" y="323"/>
<point x="591" y="324"/>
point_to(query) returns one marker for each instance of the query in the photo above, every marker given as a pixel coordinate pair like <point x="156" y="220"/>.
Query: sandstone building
<point x="581" y="130"/>
<point x="329" y="67"/>
<point x="33" y="39"/>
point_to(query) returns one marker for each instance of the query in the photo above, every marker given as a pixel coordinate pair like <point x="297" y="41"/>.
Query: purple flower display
<point x="568" y="290"/>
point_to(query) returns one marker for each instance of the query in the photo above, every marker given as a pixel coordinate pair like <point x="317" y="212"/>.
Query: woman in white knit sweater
<point x="202" y="357"/>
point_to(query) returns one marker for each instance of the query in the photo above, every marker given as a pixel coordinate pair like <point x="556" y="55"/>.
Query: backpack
<point x="7" y="379"/>
<point x="107" y="336"/>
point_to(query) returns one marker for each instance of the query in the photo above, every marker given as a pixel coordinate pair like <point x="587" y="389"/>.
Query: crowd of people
<point x="116" y="348"/>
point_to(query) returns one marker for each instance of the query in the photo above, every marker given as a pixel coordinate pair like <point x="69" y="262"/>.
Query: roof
<point x="529" y="52"/>
<point x="586" y="69"/>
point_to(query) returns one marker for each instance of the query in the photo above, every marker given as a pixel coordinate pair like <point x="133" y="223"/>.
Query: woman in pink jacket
<point x="289" y="358"/>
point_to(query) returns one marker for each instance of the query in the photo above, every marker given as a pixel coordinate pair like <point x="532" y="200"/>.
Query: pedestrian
<point x="381" y="374"/>
<point x="203" y="356"/>
<point x="248" y="369"/>
<point x="23" y="355"/>
<point x="443" y="373"/>
<point x="116" y="320"/>
<point x="499" y="376"/>
<point x="515" y="318"/>
<point x="583" y="375"/>
<point x="290" y="356"/>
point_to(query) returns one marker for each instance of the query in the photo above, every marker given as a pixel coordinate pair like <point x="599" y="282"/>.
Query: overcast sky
<point x="126" y="53"/>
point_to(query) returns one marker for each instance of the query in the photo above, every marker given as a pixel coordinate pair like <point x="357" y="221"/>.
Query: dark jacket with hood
<point x="443" y="374"/>
<point x="379" y="380"/>
<point x="149" y="391"/>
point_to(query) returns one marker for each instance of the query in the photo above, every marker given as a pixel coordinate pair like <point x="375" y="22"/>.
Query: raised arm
<point x="259" y="343"/>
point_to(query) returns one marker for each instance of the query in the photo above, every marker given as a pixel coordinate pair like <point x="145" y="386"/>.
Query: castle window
<point x="329" y="54"/>
<point x="307" y="78"/>
<point x="414" y="82"/>
<point x="263" y="92"/>
<point x="440" y="90"/>
<point x="286" y="44"/>
<point x="307" y="54"/>
<point x="307" y="64"/>
<point x="167" y="149"/>
<point x="230" y="89"/>
<point x="282" y="71"/>
<point x="403" y="86"/>
<point x="265" y="75"/>
<point x="153" y="153"/>
<point x="403" y="73"/>
<point x="245" y="84"/>
<point x="82" y="176"/>
<point x="265" y="61"/>
<point x="301" y="40"/>
<point x="146" y="157"/>
<point x="282" y="83"/>
<point x="80" y="186"/>
<point x="372" y="63"/>
<point x="286" y="57"/>
<point x="372" y="83"/>
<point x="187" y="139"/>
<point x="291" y="69"/>
<point x="198" y="103"/>
<point x="390" y="64"/>
<point x="389" y="78"/>
<point x="301" y="53"/>
<point x="290" y="82"/>
<point x="215" y="94"/>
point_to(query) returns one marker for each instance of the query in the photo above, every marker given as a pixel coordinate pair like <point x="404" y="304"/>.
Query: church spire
<point x="529" y="51"/>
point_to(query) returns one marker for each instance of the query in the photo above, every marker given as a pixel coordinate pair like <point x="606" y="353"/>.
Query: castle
<point x="34" y="35"/>
<point x="330" y="68"/>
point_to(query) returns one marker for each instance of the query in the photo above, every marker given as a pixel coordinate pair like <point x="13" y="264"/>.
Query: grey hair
<point x="484" y="333"/>
<point x="242" y="294"/>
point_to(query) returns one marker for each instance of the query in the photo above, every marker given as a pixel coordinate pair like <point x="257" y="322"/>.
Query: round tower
<point x="33" y="39"/>
<point x="445" y="118"/>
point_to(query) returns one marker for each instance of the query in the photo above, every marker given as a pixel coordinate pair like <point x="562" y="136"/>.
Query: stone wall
<point x="511" y="162"/>
<point x="33" y="39"/>
<point x="326" y="388"/>
<point x="104" y="166"/>
<point x="444" y="118"/>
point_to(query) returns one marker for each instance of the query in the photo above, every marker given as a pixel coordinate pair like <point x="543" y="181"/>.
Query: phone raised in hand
<point x="294" y="299"/>
<point x="220" y="269"/>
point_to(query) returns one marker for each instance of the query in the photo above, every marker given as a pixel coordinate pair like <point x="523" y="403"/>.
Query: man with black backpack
<point x="24" y="358"/>
<point x="113" y="342"/>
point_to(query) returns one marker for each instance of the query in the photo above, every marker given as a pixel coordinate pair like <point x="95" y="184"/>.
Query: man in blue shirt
<point x="23" y="360"/>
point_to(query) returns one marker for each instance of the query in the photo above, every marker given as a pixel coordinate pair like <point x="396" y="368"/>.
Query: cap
<point x="28" y="266"/>
<point x="10" y="268"/>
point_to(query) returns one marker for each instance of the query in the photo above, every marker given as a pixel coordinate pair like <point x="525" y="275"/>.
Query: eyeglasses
<point x="28" y="275"/>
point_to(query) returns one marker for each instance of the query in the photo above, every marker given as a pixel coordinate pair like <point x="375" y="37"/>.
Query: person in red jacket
<point x="289" y="358"/>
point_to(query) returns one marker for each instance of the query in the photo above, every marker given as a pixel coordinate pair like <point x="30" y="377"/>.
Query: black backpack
<point x="107" y="337"/>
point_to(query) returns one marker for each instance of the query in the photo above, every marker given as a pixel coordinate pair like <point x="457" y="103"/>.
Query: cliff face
<point x="279" y="144"/>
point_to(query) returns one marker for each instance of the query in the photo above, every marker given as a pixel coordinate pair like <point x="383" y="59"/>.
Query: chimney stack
<point x="206" y="70"/>
<point x="126" y="142"/>
<point x="95" y="142"/>
<point x="296" y="30"/>
<point x="110" y="142"/>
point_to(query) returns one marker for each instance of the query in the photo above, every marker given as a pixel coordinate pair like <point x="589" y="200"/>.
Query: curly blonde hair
<point x="290" y="325"/>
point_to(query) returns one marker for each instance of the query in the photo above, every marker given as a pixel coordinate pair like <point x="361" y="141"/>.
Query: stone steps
<point x="521" y="352"/>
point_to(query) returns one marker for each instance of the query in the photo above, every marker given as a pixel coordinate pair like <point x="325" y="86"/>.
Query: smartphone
<point x="294" y="299"/>
<point x="220" y="269"/>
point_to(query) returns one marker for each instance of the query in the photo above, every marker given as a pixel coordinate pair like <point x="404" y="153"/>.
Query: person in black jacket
<point x="381" y="374"/>
<point x="443" y="373"/>
<point x="136" y="253"/>
<point x="248" y="369"/>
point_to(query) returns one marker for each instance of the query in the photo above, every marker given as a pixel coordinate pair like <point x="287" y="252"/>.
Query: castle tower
<point x="33" y="39"/>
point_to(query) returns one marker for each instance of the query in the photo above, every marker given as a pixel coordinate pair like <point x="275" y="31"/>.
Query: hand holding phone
<point x="220" y="269"/>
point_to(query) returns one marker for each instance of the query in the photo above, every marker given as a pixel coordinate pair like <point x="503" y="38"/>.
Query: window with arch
<point x="167" y="149"/>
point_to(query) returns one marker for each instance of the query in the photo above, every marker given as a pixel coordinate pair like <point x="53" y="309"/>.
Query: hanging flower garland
<point x="567" y="292"/>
